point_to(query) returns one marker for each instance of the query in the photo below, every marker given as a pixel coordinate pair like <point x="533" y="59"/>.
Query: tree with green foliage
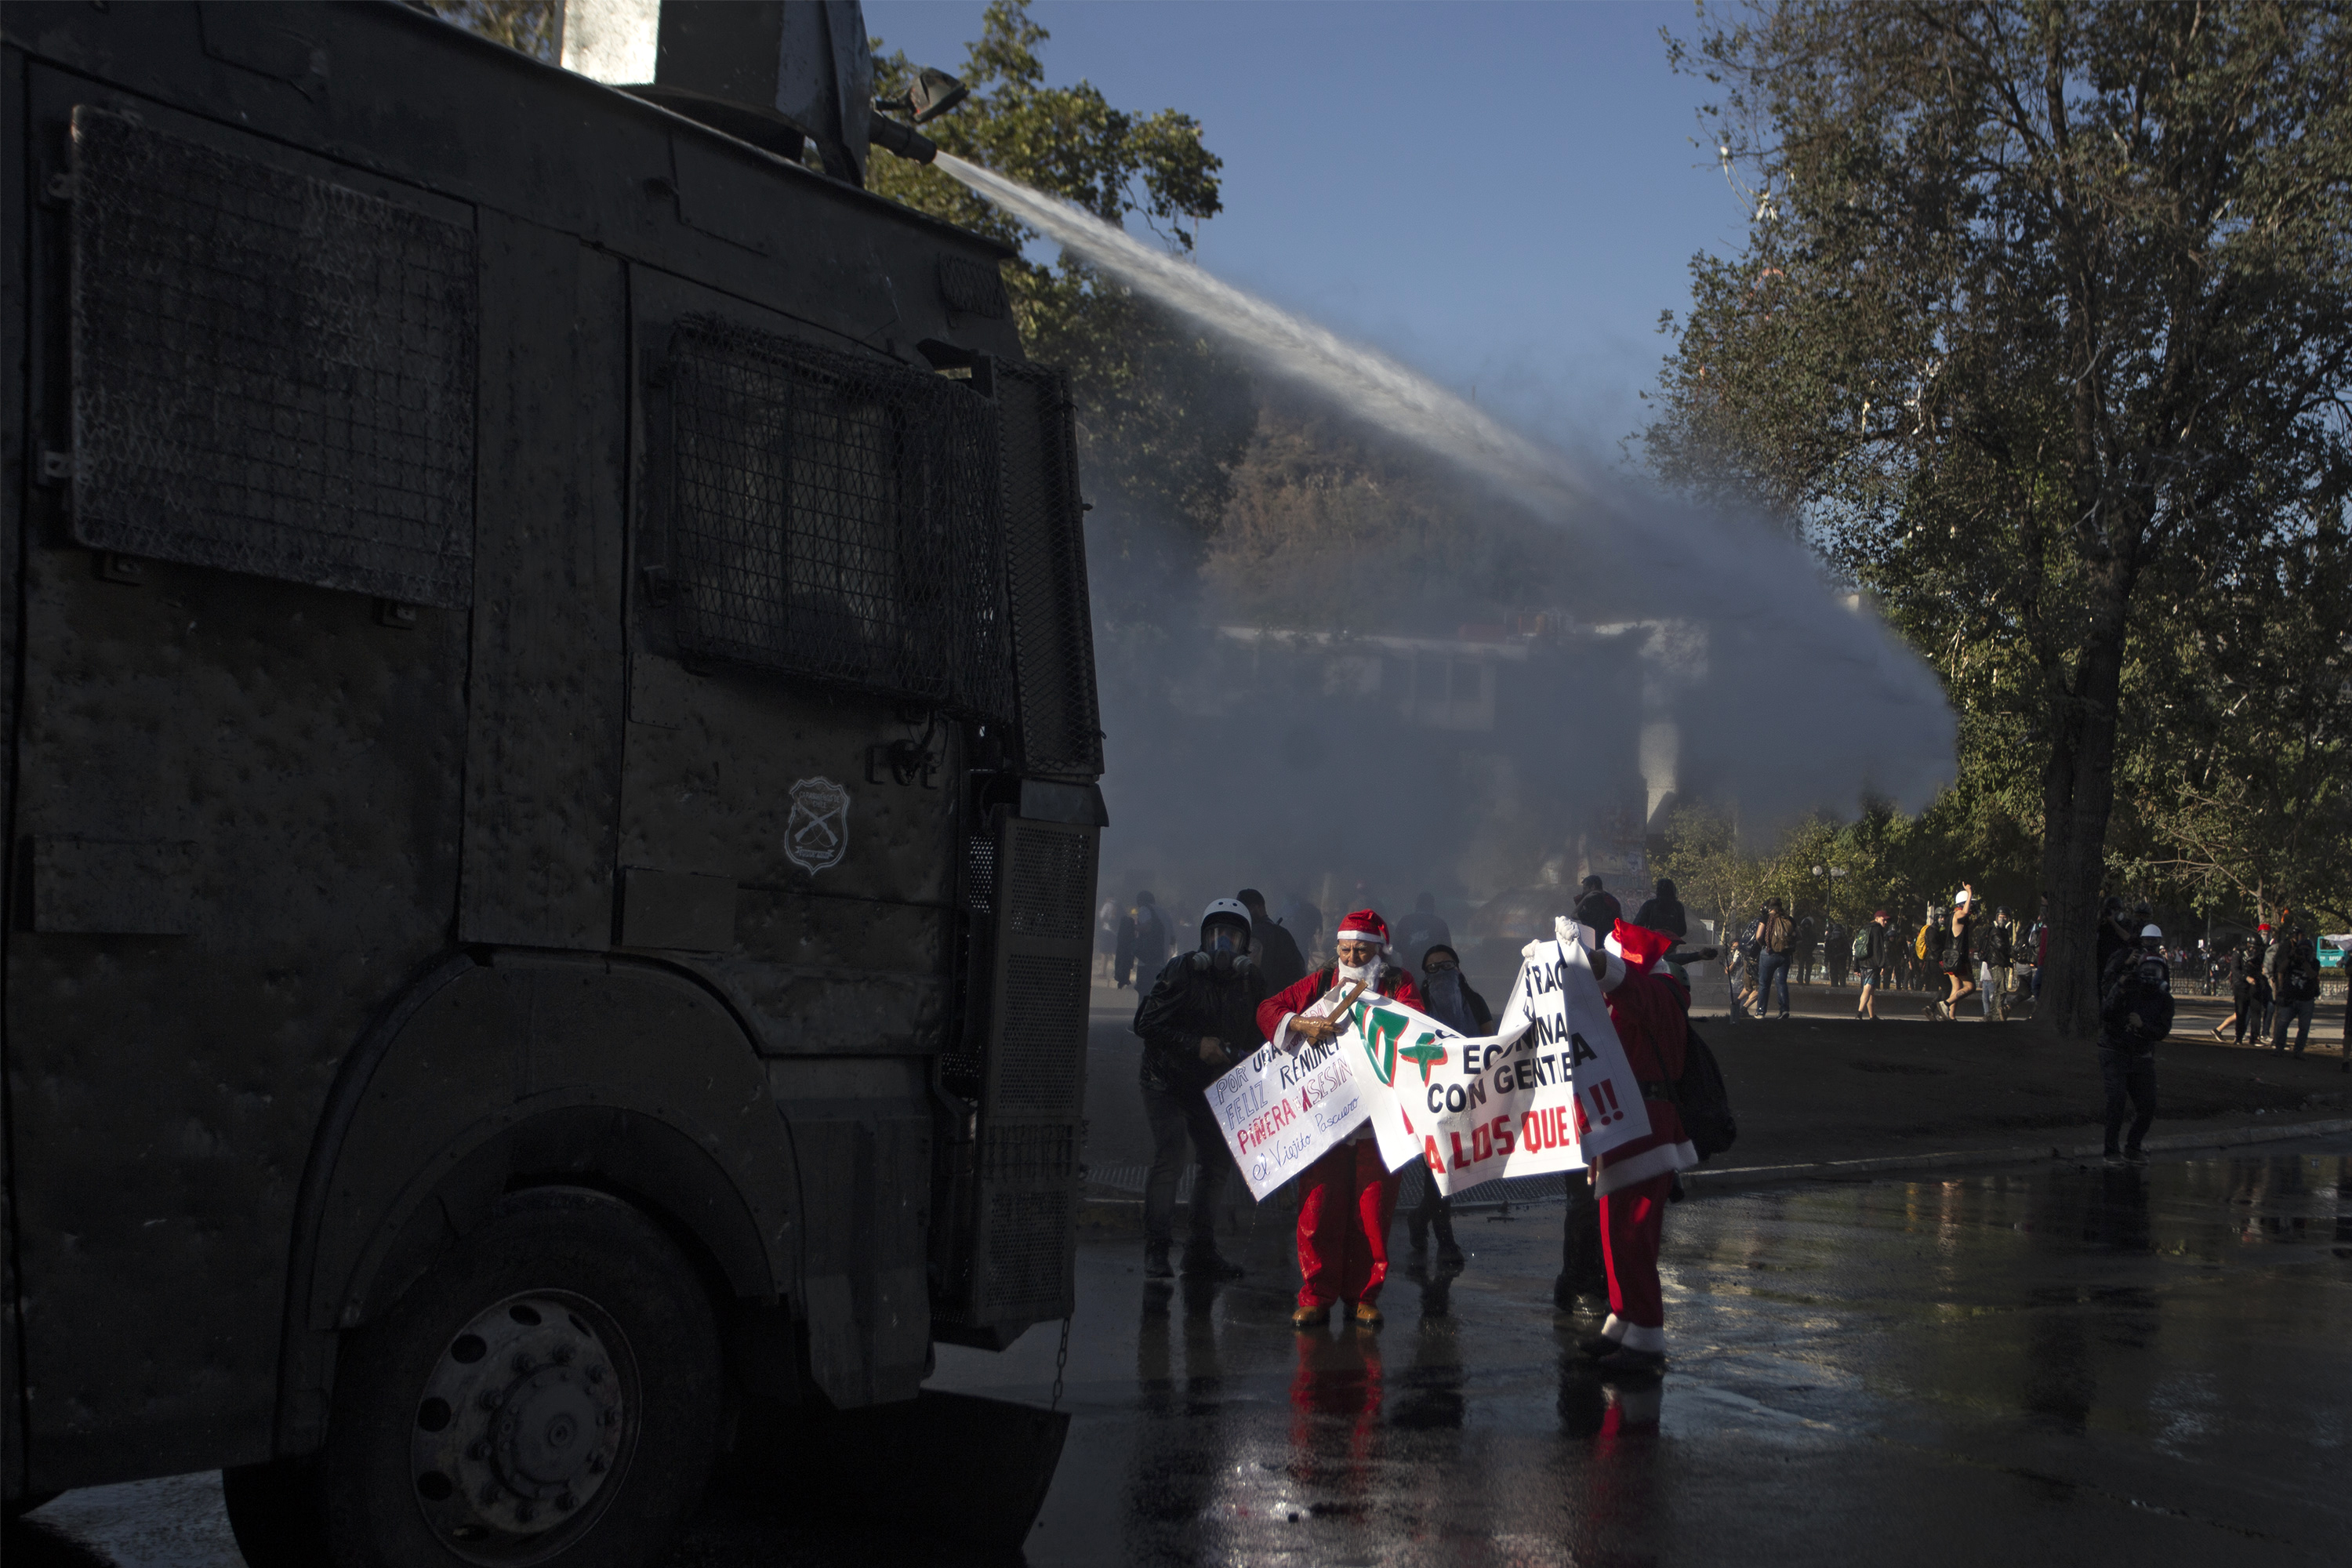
<point x="2042" y="330"/>
<point x="1163" y="415"/>
<point x="532" y="26"/>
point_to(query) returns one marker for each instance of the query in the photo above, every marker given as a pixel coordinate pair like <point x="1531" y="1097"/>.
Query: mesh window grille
<point x="1051" y="880"/>
<point x="1060" y="732"/>
<point x="1028" y="1247"/>
<point x="272" y="374"/>
<point x="1045" y="1028"/>
<point x="835" y="517"/>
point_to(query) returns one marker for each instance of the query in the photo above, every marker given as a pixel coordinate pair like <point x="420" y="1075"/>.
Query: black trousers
<point x="1583" y="1270"/>
<point x="2123" y="1074"/>
<point x="1175" y="1114"/>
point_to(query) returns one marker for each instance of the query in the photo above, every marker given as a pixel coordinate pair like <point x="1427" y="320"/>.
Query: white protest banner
<point x="1545" y="1092"/>
<point x="1281" y="1110"/>
<point x="1548" y="1091"/>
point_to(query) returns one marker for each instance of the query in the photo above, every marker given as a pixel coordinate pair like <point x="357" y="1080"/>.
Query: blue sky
<point x="1503" y="194"/>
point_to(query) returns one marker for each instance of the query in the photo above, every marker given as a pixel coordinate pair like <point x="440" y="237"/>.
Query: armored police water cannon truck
<point x="552" y="755"/>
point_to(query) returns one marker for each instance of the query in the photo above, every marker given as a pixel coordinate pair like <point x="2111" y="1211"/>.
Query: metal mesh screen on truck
<point x="835" y="517"/>
<point x="1046" y="569"/>
<point x="271" y="374"/>
<point x="1034" y="1074"/>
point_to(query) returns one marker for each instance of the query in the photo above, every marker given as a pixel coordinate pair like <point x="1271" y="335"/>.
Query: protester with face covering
<point x="1271" y="943"/>
<point x="1348" y="1199"/>
<point x="1198" y="1019"/>
<point x="1451" y="1002"/>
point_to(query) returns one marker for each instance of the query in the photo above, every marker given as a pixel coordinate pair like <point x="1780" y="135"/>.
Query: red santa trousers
<point x="1631" y="1220"/>
<point x="1348" y="1201"/>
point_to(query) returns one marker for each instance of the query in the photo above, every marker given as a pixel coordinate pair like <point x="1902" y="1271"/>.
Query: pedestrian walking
<point x="1154" y="937"/>
<point x="2295" y="986"/>
<point x="1837" y="953"/>
<point x="1776" y="936"/>
<point x="1451" y="1002"/>
<point x="1650" y="1012"/>
<point x="1347" y="1197"/>
<point x="2039" y="946"/>
<point x="1107" y="937"/>
<point x="1957" y="976"/>
<point x="2258" y="956"/>
<point x="1994" y="952"/>
<point x="1198" y="1018"/>
<point x="1874" y="949"/>
<point x="1271" y="943"/>
<point x="2242" y="996"/>
<point x="2135" y="1013"/>
<point x="1738" y="958"/>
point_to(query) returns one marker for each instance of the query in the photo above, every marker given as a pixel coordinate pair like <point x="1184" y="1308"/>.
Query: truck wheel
<point x="549" y="1392"/>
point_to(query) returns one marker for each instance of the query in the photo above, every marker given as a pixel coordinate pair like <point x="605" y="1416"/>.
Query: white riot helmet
<point x="1228" y="910"/>
<point x="1224" y="947"/>
<point x="2151" y="936"/>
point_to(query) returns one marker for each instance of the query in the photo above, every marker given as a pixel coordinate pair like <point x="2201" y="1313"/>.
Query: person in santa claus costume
<point x="1348" y="1197"/>
<point x="1648" y="1007"/>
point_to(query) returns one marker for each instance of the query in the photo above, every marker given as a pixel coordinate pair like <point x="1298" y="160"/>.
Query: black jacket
<point x="1187" y="1001"/>
<point x="1663" y="915"/>
<point x="1277" y="955"/>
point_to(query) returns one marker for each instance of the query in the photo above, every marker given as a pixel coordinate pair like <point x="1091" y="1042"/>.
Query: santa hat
<point x="1639" y="946"/>
<point x="1365" y="925"/>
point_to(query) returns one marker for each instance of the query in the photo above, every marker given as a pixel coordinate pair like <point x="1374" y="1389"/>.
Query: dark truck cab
<point x="552" y="785"/>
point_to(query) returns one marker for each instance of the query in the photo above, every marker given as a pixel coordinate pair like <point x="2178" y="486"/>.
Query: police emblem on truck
<point x="817" y="834"/>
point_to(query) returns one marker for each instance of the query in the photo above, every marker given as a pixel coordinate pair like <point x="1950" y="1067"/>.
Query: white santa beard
<point x="1362" y="973"/>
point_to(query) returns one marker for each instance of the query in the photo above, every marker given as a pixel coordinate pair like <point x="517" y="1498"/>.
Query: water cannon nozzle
<point x="903" y="140"/>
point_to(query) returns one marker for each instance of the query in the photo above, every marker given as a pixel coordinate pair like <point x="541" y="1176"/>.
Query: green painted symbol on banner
<point x="1424" y="1053"/>
<point x="1381" y="1031"/>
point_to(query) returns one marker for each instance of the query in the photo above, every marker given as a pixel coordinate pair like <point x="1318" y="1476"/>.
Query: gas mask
<point x="1225" y="951"/>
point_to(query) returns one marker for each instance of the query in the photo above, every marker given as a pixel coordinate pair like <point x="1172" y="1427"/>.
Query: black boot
<point x="1202" y="1262"/>
<point x="1155" y="1261"/>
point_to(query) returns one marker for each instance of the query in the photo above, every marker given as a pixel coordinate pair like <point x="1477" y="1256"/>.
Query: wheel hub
<point x="523" y="1422"/>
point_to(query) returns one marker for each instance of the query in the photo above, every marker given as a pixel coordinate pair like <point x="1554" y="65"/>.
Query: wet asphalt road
<point x="2054" y="1366"/>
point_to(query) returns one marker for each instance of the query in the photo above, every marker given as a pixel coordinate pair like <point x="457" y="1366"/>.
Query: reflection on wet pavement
<point x="2057" y="1364"/>
<point x="2060" y="1363"/>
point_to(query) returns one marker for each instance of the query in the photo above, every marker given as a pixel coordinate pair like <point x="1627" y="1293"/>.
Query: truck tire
<point x="549" y="1392"/>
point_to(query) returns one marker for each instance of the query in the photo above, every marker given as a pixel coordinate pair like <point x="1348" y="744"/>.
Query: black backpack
<point x="1701" y="1097"/>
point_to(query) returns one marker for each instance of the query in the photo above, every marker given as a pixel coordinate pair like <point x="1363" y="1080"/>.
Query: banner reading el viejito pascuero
<point x="1548" y="1089"/>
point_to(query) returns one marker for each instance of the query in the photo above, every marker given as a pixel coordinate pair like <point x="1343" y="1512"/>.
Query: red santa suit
<point x="1649" y="1010"/>
<point x="1347" y="1198"/>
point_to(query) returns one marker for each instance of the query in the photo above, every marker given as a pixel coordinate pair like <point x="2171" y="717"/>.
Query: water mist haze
<point x="1680" y="654"/>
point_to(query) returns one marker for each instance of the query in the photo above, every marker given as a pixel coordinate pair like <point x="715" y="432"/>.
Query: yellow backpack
<point x="1919" y="943"/>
